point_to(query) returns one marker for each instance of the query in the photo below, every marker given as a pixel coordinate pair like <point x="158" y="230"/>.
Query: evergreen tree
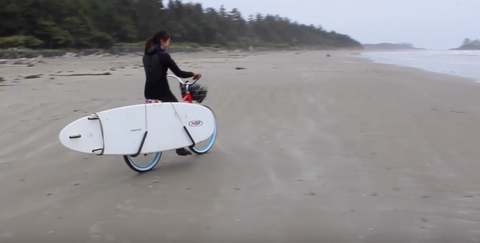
<point x="101" y="23"/>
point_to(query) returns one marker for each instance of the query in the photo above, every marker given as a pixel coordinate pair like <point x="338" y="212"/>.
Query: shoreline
<point x="436" y="71"/>
<point x="183" y="56"/>
<point x="349" y="53"/>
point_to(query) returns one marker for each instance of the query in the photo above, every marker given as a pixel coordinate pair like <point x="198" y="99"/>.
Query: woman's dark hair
<point x="159" y="35"/>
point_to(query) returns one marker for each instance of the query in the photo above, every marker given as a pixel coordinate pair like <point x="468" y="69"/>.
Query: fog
<point x="432" y="24"/>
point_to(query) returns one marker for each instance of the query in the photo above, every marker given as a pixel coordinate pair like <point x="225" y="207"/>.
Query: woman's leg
<point x="172" y="98"/>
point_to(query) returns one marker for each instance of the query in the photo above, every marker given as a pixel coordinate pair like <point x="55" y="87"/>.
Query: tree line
<point x="82" y="24"/>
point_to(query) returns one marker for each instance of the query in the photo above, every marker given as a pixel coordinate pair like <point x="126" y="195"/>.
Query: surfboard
<point x="142" y="128"/>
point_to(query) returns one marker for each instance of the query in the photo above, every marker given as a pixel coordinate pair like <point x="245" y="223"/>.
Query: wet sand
<point x="310" y="148"/>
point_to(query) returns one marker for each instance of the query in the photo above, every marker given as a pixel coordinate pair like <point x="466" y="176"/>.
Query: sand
<point x="310" y="148"/>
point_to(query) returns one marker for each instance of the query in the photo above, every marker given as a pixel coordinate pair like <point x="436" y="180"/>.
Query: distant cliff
<point x="469" y="45"/>
<point x="390" y="46"/>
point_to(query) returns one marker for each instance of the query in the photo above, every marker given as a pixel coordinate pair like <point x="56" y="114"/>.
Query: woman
<point x="156" y="63"/>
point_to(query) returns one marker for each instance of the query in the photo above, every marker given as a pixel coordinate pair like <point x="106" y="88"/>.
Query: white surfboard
<point x="121" y="131"/>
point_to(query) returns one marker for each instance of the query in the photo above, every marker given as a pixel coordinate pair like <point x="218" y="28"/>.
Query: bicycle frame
<point x="188" y="96"/>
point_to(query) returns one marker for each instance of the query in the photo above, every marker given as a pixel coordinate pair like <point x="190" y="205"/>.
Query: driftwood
<point x="81" y="74"/>
<point x="23" y="62"/>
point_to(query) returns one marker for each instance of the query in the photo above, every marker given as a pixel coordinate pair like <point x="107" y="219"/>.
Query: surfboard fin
<point x="93" y="117"/>
<point x="98" y="151"/>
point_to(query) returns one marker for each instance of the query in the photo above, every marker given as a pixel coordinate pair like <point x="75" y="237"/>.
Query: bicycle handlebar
<point x="180" y="80"/>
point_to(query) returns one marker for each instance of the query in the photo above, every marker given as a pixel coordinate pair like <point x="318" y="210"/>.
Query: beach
<point x="310" y="148"/>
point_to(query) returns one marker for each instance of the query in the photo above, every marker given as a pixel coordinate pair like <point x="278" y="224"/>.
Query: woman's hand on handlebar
<point x="196" y="76"/>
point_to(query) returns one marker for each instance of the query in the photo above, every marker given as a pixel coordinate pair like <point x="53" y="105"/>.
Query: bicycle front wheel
<point x="202" y="149"/>
<point x="135" y="163"/>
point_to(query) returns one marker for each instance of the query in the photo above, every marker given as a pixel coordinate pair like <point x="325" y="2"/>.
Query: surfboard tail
<point x="83" y="135"/>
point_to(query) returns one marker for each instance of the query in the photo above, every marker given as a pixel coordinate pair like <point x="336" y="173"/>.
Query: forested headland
<point x="103" y="24"/>
<point x="469" y="45"/>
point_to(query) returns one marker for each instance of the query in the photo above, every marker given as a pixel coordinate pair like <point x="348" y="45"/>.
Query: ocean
<point x="460" y="63"/>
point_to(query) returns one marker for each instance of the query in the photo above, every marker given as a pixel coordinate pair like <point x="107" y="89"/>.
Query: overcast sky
<point x="433" y="24"/>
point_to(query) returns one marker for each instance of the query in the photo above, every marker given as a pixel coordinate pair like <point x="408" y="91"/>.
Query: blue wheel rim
<point x="150" y="164"/>
<point x="210" y="142"/>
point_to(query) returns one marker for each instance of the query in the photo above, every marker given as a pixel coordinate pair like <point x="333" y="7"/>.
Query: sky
<point x="431" y="24"/>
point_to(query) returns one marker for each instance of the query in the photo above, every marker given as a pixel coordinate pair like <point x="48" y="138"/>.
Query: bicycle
<point x="187" y="96"/>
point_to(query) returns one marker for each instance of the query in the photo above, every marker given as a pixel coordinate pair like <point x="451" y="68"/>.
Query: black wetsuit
<point x="156" y="64"/>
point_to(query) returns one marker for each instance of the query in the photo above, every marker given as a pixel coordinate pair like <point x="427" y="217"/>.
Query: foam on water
<point x="460" y="63"/>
